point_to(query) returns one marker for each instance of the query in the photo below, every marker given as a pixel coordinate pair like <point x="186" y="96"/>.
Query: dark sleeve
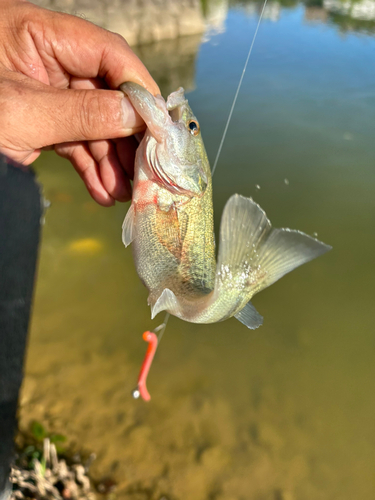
<point x="20" y="216"/>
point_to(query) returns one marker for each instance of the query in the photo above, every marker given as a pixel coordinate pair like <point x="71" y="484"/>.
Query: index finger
<point x="85" y="50"/>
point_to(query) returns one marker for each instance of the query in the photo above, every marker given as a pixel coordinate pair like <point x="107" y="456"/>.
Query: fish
<point x="170" y="224"/>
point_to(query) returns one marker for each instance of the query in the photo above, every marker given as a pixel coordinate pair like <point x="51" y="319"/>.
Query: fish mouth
<point x="152" y="109"/>
<point x="175" y="114"/>
<point x="190" y="181"/>
<point x="175" y="103"/>
<point x="164" y="120"/>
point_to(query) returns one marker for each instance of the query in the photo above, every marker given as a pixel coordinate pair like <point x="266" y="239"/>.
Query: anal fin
<point x="128" y="226"/>
<point x="166" y="302"/>
<point x="249" y="316"/>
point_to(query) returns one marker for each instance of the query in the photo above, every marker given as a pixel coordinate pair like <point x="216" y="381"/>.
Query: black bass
<point x="170" y="225"/>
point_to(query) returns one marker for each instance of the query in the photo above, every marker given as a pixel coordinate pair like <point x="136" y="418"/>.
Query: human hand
<point x="56" y="72"/>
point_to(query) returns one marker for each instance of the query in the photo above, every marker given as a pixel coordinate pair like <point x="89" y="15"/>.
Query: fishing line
<point x="238" y="90"/>
<point x="161" y="328"/>
<point x="166" y="318"/>
<point x="226" y="126"/>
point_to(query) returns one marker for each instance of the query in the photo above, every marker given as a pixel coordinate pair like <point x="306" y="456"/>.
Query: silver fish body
<point x="170" y="225"/>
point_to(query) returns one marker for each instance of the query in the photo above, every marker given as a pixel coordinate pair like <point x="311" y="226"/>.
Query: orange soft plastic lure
<point x="141" y="389"/>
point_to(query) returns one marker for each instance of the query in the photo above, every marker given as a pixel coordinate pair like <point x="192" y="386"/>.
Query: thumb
<point x="39" y="115"/>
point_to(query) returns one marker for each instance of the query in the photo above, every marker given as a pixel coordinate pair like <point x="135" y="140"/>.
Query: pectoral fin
<point x="128" y="226"/>
<point x="250" y="317"/>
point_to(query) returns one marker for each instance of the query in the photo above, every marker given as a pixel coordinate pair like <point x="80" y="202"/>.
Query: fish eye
<point x="194" y="127"/>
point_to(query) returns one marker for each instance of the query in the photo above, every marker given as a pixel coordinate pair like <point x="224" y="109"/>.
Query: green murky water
<point x="282" y="413"/>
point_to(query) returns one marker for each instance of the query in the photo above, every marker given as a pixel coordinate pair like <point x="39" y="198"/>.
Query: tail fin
<point x="249" y="245"/>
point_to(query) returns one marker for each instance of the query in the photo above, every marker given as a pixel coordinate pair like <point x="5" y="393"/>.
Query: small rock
<point x="66" y="493"/>
<point x="106" y="486"/>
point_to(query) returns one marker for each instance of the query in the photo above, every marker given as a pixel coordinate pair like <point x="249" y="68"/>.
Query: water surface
<point x="283" y="412"/>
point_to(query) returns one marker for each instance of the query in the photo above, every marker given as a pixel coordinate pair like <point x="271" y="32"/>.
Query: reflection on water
<point x="363" y="10"/>
<point x="139" y="21"/>
<point x="352" y="15"/>
<point x="147" y="21"/>
<point x="172" y="62"/>
<point x="287" y="411"/>
<point x="271" y="10"/>
<point x="176" y="27"/>
<point x="215" y="13"/>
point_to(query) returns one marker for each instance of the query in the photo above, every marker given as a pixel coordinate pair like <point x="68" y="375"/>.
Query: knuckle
<point x="120" y="39"/>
